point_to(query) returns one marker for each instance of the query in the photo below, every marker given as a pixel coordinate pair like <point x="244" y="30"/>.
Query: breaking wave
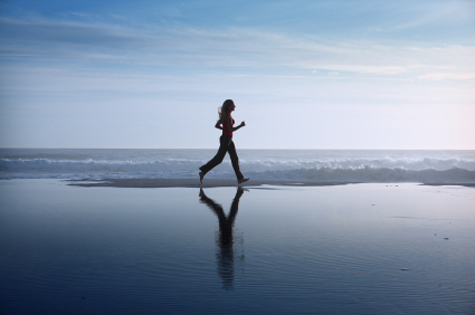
<point x="320" y="166"/>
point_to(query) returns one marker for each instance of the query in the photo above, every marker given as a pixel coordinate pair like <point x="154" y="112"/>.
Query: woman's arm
<point x="240" y="126"/>
<point x="227" y="121"/>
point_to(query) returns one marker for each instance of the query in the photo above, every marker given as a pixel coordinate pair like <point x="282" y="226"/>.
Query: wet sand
<point x="190" y="183"/>
<point x="267" y="249"/>
<point x="208" y="183"/>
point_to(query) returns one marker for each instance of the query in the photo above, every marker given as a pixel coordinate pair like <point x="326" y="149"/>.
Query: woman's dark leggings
<point x="226" y="144"/>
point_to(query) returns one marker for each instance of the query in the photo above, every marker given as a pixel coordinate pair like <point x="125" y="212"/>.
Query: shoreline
<point x="194" y="183"/>
<point x="190" y="183"/>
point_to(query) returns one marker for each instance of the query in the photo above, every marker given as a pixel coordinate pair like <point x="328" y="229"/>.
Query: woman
<point x="226" y="144"/>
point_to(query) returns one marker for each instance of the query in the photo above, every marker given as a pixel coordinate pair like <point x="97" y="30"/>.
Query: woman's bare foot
<point x="202" y="175"/>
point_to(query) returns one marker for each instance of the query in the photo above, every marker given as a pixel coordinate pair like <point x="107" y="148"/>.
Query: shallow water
<point x="353" y="249"/>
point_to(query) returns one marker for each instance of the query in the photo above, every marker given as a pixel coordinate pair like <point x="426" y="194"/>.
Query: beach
<point x="164" y="246"/>
<point x="194" y="183"/>
<point x="189" y="183"/>
<point x="237" y="157"/>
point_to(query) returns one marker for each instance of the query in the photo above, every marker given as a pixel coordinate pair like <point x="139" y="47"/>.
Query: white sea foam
<point x="299" y="165"/>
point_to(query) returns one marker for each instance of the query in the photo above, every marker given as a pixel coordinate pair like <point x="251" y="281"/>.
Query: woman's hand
<point x="242" y="124"/>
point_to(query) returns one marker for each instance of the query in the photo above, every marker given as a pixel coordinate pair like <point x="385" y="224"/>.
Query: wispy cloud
<point x="244" y="48"/>
<point x="439" y="13"/>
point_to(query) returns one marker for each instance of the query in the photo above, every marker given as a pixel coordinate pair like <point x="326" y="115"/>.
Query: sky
<point x="354" y="74"/>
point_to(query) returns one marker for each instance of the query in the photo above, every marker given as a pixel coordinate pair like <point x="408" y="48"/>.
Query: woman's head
<point x="227" y="107"/>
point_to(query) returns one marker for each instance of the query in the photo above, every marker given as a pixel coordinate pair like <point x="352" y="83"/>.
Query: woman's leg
<point x="218" y="158"/>
<point x="234" y="160"/>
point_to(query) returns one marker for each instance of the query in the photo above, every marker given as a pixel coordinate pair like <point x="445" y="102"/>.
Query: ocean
<point x="366" y="166"/>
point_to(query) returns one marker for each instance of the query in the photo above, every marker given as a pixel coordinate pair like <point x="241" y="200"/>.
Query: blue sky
<point x="304" y="74"/>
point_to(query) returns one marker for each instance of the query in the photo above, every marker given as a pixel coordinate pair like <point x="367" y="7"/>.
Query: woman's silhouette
<point x="226" y="144"/>
<point x="226" y="224"/>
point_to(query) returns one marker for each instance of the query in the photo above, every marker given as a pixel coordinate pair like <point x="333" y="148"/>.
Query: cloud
<point x="439" y="13"/>
<point x="62" y="33"/>
<point x="246" y="49"/>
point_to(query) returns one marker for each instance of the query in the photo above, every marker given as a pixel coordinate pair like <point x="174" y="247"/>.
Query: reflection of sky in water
<point x="349" y="249"/>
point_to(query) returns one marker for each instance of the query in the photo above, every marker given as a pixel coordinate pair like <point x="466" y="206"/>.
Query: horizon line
<point x="240" y="149"/>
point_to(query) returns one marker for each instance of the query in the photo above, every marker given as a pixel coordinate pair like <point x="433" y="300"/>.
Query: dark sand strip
<point x="195" y="183"/>
<point x="191" y="183"/>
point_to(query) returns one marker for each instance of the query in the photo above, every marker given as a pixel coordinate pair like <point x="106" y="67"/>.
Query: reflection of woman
<point x="226" y="144"/>
<point x="226" y="224"/>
